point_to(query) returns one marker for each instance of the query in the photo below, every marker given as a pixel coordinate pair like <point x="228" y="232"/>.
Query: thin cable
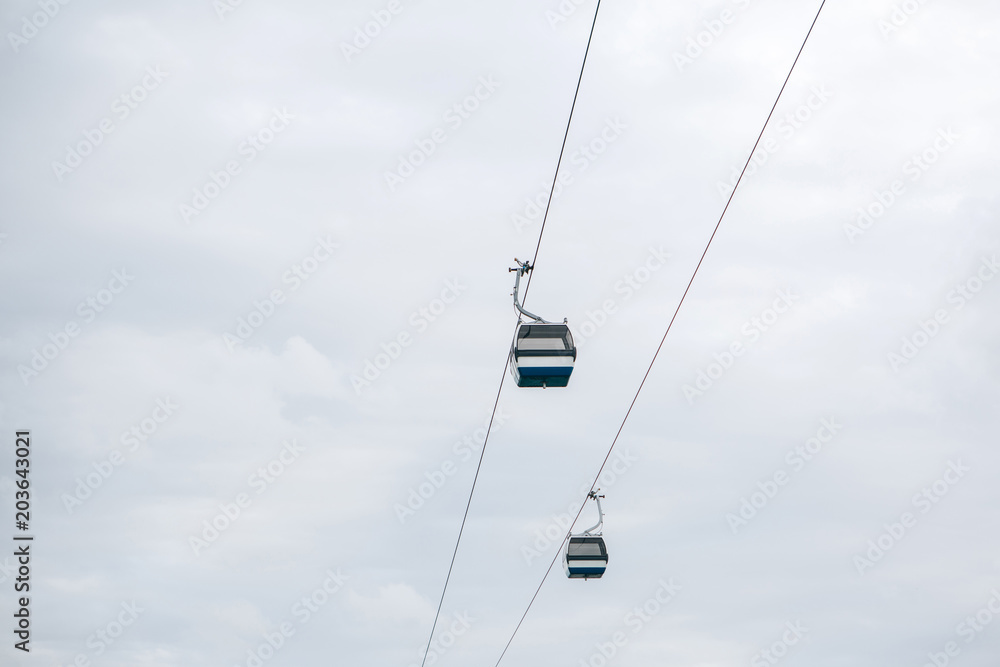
<point x="663" y="340"/>
<point x="496" y="403"/>
<point x="562" y="150"/>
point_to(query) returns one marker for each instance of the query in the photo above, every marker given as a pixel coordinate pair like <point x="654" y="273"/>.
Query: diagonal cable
<point x="562" y="150"/>
<point x="669" y="326"/>
<point x="496" y="403"/>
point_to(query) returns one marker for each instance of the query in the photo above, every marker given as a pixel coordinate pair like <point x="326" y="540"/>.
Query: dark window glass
<point x="544" y="337"/>
<point x="584" y="549"/>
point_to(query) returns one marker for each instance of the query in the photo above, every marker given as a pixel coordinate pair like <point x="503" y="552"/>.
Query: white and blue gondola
<point x="586" y="554"/>
<point x="586" y="557"/>
<point x="542" y="355"/>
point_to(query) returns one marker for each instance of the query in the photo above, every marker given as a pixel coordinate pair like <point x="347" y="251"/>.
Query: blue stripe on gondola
<point x="540" y="376"/>
<point x="549" y="371"/>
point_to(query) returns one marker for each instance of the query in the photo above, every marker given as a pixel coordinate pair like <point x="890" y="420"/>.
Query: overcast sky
<point x="256" y="264"/>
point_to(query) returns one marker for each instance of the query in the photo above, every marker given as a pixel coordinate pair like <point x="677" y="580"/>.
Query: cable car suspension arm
<point x="600" y="524"/>
<point x="523" y="268"/>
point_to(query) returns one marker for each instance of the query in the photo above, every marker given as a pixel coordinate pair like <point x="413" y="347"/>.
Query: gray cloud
<point x="323" y="536"/>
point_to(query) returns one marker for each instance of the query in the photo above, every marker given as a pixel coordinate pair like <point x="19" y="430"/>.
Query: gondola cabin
<point x="586" y="557"/>
<point x="542" y="355"/>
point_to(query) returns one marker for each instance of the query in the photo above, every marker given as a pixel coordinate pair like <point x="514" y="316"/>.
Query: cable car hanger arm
<point x="523" y="268"/>
<point x="600" y="523"/>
